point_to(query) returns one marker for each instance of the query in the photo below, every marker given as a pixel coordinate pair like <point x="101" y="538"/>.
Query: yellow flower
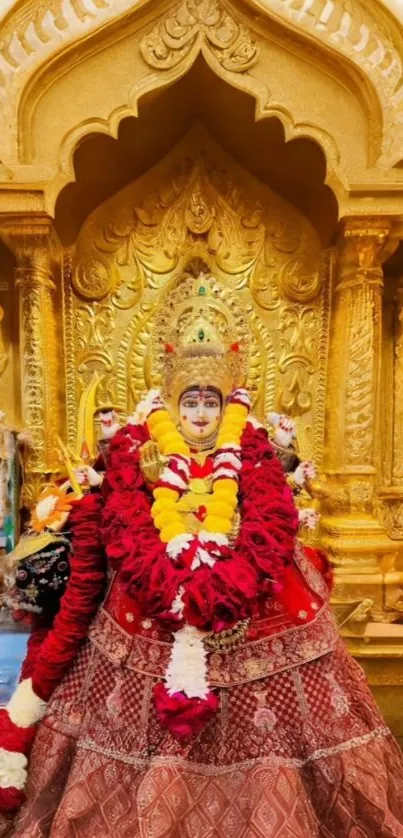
<point x="239" y="410"/>
<point x="165" y="492"/>
<point x="171" y="530"/>
<point x="161" y="429"/>
<point x="157" y="417"/>
<point x="213" y="523"/>
<point x="227" y="486"/>
<point x="162" y="504"/>
<point x="218" y="507"/>
<point x="166" y="516"/>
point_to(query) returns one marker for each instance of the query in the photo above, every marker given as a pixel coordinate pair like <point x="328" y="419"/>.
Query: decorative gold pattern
<point x="367" y="36"/>
<point x="299" y="328"/>
<point x="3" y="350"/>
<point x="34" y="245"/>
<point x="356" y="344"/>
<point x="397" y="462"/>
<point x="364" y="306"/>
<point x="195" y="25"/>
<point x="355" y="532"/>
<point x="390" y="508"/>
<point x="92" y="279"/>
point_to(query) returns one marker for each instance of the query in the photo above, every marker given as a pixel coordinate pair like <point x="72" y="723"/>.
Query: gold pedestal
<point x="364" y="558"/>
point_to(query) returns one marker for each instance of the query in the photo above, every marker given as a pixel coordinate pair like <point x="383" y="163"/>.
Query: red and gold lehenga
<point x="281" y="740"/>
<point x="297" y="747"/>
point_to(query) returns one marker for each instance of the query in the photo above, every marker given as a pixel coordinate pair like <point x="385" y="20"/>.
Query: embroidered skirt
<point x="296" y="750"/>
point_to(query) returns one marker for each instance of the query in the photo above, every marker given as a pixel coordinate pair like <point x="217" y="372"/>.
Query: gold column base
<point x="366" y="563"/>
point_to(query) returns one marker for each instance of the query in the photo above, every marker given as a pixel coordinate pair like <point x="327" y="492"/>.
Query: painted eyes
<point x="193" y="404"/>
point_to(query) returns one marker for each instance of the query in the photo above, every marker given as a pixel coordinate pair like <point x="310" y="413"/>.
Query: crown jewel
<point x="194" y="338"/>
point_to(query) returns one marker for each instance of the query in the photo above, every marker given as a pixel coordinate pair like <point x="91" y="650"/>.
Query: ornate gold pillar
<point x="355" y="538"/>
<point x="390" y="498"/>
<point x="397" y="457"/>
<point x="34" y="243"/>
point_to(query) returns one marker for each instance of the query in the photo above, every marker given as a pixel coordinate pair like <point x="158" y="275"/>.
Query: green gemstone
<point x="201" y="334"/>
<point x="202" y="291"/>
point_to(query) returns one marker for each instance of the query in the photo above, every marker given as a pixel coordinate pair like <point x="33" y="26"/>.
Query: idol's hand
<point x="308" y="518"/>
<point x="303" y="473"/>
<point x="87" y="476"/>
<point x="151" y="462"/>
<point x="284" y="429"/>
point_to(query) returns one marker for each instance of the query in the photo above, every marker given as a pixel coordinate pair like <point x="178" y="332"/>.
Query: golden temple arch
<point x="264" y="138"/>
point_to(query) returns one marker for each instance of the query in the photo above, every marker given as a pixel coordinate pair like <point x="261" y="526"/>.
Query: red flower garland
<point x="260" y="565"/>
<point x="214" y="598"/>
<point x="12" y="737"/>
<point x="51" y="651"/>
<point x="80" y="601"/>
<point x="185" y="717"/>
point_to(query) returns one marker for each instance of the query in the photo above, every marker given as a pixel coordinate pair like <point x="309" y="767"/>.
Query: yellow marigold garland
<point x="223" y="501"/>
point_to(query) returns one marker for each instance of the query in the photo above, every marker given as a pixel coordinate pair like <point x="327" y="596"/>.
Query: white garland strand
<point x="25" y="708"/>
<point x="169" y="476"/>
<point x="13" y="769"/>
<point x="228" y="457"/>
<point x="150" y="401"/>
<point x="202" y="557"/>
<point x="187" y="668"/>
<point x="178" y="544"/>
<point x="215" y="537"/>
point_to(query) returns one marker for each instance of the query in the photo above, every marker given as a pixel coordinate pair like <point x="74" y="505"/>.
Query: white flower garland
<point x="25" y="708"/>
<point x="13" y="769"/>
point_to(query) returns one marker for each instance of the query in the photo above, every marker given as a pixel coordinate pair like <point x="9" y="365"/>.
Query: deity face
<point x="200" y="412"/>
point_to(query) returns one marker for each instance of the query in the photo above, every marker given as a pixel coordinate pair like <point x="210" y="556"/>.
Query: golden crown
<point x="201" y="338"/>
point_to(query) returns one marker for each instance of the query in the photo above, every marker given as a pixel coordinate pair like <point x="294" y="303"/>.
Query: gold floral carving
<point x="271" y="250"/>
<point x="390" y="509"/>
<point x="368" y="39"/>
<point x="93" y="279"/>
<point x="69" y="339"/>
<point x="32" y="486"/>
<point x="194" y="25"/>
<point x="390" y="498"/>
<point x="94" y="328"/>
<point x="299" y="329"/>
<point x="38" y="30"/>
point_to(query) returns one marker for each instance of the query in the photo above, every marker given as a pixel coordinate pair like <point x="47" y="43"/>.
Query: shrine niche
<point x="197" y="204"/>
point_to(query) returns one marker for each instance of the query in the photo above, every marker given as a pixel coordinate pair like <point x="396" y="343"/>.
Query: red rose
<point x="262" y="550"/>
<point x="184" y="717"/>
<point x="126" y="477"/>
<point x="151" y="579"/>
<point x="235" y="589"/>
<point x="11" y="800"/>
<point x="199" y="599"/>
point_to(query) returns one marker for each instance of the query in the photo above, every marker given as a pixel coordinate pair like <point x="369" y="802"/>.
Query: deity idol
<point x="192" y="682"/>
